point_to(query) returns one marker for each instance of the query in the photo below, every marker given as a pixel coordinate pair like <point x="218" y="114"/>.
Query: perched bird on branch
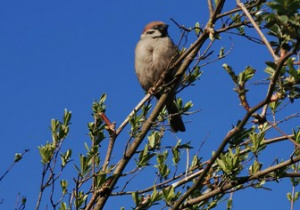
<point x="155" y="53"/>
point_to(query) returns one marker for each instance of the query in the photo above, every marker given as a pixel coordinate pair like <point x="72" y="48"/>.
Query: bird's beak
<point x="164" y="29"/>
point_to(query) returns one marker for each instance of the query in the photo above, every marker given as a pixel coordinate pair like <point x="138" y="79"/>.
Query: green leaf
<point x="144" y="157"/>
<point x="188" y="105"/>
<point x="230" y="162"/>
<point x="135" y="198"/>
<point x="176" y="155"/>
<point x="65" y="158"/>
<point x="80" y="199"/>
<point x="246" y="75"/>
<point x="274" y="105"/>
<point x="154" y="139"/>
<point x="197" y="28"/>
<point x="67" y="117"/>
<point x="296" y="135"/>
<point x="162" y="167"/>
<point x="84" y="165"/>
<point x="46" y="152"/>
<point x="54" y="128"/>
<point x="54" y="125"/>
<point x="195" y="162"/>
<point x="100" y="106"/>
<point x="284" y="18"/>
<point x="155" y="196"/>
<point x="221" y="164"/>
<point x="270" y="69"/>
<point x="18" y="157"/>
<point x="64" y="185"/>
<point x="255" y="167"/>
<point x="63" y="206"/>
<point x="168" y="193"/>
<point x="230" y="72"/>
<point x="100" y="179"/>
<point x="296" y="197"/>
<point x="221" y="53"/>
<point x="229" y="204"/>
<point x="289" y="196"/>
<point x="24" y="199"/>
<point x="257" y="142"/>
<point x="103" y="98"/>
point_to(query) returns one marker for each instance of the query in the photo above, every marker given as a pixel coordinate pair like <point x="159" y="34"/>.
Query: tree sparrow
<point x="154" y="54"/>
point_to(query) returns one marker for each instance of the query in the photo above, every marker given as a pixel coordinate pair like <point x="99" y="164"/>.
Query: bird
<point x="155" y="52"/>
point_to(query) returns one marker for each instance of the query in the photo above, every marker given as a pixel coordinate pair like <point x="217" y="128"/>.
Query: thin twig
<point x="285" y="135"/>
<point x="250" y="6"/>
<point x="138" y="106"/>
<point x="210" y="7"/>
<point x="13" y="164"/>
<point x="110" y="147"/>
<point x="262" y="36"/>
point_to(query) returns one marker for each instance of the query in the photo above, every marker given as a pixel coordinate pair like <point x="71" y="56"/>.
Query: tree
<point x="236" y="163"/>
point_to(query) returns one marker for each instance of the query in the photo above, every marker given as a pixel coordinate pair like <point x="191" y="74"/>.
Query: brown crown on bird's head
<point x="152" y="24"/>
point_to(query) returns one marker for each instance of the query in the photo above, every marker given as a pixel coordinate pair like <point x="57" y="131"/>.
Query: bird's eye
<point x="149" y="32"/>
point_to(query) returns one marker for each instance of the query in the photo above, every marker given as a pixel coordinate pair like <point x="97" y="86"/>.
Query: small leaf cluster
<point x="240" y="137"/>
<point x="196" y="161"/>
<point x="89" y="167"/>
<point x="288" y="84"/>
<point x="182" y="108"/>
<point x="145" y="202"/>
<point x="240" y="81"/>
<point x="294" y="195"/>
<point x="283" y="22"/>
<point x="169" y="195"/>
<point x="59" y="132"/>
<point x="144" y="157"/>
<point x="257" y="142"/>
<point x="191" y="77"/>
<point x="49" y="155"/>
<point x="163" y="169"/>
<point x="255" y="167"/>
<point x="230" y="162"/>
<point x="137" y="120"/>
<point x="209" y="204"/>
<point x="97" y="127"/>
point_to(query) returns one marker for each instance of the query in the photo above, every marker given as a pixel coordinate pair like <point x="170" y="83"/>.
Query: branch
<point x="243" y="180"/>
<point x="192" y="176"/>
<point x="285" y="135"/>
<point x="113" y="135"/>
<point x="233" y="132"/>
<point x="131" y="150"/>
<point x="17" y="159"/>
<point x="262" y="36"/>
<point x="188" y="58"/>
<point x="250" y="6"/>
<point x="210" y="23"/>
<point x="140" y="104"/>
<point x="210" y="7"/>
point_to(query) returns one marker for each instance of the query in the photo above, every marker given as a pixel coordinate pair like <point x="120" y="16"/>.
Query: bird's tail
<point x="176" y="122"/>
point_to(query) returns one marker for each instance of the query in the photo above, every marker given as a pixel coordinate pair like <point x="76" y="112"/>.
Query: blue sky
<point x="65" y="54"/>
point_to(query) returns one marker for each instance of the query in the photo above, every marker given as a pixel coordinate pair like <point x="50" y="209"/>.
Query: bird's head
<point x="156" y="29"/>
